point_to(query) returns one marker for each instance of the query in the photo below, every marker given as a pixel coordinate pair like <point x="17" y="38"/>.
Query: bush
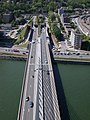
<point x="52" y="16"/>
<point x="56" y="31"/>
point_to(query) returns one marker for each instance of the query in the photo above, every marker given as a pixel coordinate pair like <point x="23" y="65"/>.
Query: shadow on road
<point x="60" y="93"/>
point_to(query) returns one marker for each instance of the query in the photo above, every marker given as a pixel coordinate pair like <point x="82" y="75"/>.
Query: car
<point x="65" y="53"/>
<point x="61" y="53"/>
<point x="87" y="53"/>
<point x="16" y="50"/>
<point x="69" y="53"/>
<point x="74" y="53"/>
<point x="31" y="56"/>
<point x="31" y="104"/>
<point x="32" y="76"/>
<point x="48" y="72"/>
<point x="46" y="61"/>
<point x="24" y="53"/>
<point x="27" y="99"/>
<point x="27" y="52"/>
<point x="33" y="41"/>
<point x="78" y="53"/>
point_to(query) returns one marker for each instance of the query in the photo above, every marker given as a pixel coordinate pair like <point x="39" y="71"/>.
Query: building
<point x="1" y="33"/>
<point x="60" y="11"/>
<point x="8" y="17"/>
<point x="65" y="18"/>
<point x="76" y="38"/>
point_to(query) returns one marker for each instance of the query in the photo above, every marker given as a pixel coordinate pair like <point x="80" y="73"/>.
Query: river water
<point x="11" y="76"/>
<point x="74" y="86"/>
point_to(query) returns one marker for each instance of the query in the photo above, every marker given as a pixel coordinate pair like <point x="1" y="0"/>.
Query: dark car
<point x="31" y="104"/>
<point x="77" y="53"/>
<point x="48" y="72"/>
<point x="32" y="76"/>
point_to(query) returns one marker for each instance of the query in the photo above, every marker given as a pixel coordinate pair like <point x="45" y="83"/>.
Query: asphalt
<point x="39" y="87"/>
<point x="27" y="111"/>
<point x="47" y="93"/>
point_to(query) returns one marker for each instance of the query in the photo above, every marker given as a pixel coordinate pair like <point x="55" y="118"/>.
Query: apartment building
<point x="76" y="38"/>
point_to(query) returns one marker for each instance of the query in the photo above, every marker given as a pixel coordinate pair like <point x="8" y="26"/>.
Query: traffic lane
<point x="29" y="93"/>
<point x="48" y="100"/>
<point x="30" y="90"/>
<point x="33" y="53"/>
<point x="46" y="80"/>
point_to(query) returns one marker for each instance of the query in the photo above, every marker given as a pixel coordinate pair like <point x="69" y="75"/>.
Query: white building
<point x="76" y="39"/>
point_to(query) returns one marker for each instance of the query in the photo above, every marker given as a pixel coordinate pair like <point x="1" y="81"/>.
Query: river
<point x="74" y="88"/>
<point x="11" y="76"/>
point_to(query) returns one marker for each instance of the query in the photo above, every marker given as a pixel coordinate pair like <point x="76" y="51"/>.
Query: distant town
<point x="67" y="28"/>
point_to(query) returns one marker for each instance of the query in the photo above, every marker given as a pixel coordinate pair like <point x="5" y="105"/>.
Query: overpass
<point x="38" y="83"/>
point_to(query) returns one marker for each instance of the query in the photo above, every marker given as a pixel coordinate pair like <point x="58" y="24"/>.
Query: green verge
<point x="24" y="45"/>
<point x="72" y="59"/>
<point x="30" y="21"/>
<point x="13" y="55"/>
<point x="21" y="35"/>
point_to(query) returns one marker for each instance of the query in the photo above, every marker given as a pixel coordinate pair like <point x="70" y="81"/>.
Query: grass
<point x="24" y="45"/>
<point x="30" y="21"/>
<point x="13" y="55"/>
<point x="21" y="35"/>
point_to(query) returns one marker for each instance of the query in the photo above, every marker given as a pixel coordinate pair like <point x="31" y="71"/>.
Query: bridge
<point x="38" y="83"/>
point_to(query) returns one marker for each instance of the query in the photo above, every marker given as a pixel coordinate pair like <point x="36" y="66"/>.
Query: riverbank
<point x="13" y="57"/>
<point x="72" y="61"/>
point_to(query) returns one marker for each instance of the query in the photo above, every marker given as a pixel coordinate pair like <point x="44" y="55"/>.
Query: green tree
<point x="56" y="31"/>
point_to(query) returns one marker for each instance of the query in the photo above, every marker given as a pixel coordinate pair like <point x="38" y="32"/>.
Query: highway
<point x="39" y="83"/>
<point x="26" y="111"/>
<point x="46" y="106"/>
<point x="47" y="94"/>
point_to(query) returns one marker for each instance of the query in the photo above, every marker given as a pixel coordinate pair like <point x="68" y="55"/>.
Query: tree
<point x="51" y="16"/>
<point x="56" y="31"/>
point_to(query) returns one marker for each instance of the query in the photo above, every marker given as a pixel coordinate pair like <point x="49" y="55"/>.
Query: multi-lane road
<point x="26" y="110"/>
<point x="39" y="101"/>
<point x="47" y="94"/>
<point x="46" y="105"/>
